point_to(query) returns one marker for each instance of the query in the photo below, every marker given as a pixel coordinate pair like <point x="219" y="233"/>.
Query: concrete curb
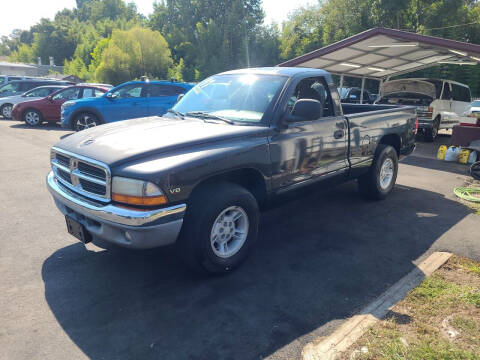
<point x="352" y="329"/>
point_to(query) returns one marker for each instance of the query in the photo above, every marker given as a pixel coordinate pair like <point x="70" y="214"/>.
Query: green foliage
<point x="24" y="53"/>
<point x="134" y="53"/>
<point x="203" y="37"/>
<point x="302" y="33"/>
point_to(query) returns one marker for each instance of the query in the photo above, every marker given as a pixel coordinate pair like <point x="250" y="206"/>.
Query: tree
<point x="302" y="32"/>
<point x="134" y="53"/>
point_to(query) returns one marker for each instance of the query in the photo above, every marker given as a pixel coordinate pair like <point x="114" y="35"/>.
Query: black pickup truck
<point x="198" y="175"/>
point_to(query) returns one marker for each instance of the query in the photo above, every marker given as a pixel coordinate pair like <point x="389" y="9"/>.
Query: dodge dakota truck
<point x="199" y="175"/>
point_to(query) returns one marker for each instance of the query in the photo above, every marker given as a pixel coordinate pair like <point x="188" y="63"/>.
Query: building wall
<point x="28" y="70"/>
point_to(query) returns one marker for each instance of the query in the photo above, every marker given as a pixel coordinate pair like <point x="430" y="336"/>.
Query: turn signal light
<point x="140" y="200"/>
<point x="416" y="125"/>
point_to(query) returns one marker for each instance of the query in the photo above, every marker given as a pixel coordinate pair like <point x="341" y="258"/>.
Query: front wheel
<point x="32" y="117"/>
<point x="219" y="228"/>
<point x="85" y="121"/>
<point x="6" y="111"/>
<point x="379" y="181"/>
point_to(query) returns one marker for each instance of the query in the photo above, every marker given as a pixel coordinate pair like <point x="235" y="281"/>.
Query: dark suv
<point x="20" y="86"/>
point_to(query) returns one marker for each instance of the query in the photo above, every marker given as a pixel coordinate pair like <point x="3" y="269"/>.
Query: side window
<point x="99" y="93"/>
<point x="42" y="92"/>
<point x="88" y="93"/>
<point x="354" y="96"/>
<point x="25" y="86"/>
<point x="447" y="95"/>
<point x="159" y="90"/>
<point x="461" y="93"/>
<point x="129" y="91"/>
<point x="67" y="94"/>
<point x="316" y="89"/>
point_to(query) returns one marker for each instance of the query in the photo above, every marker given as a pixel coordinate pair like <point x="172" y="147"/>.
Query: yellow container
<point x="464" y="155"/>
<point x="441" y="152"/>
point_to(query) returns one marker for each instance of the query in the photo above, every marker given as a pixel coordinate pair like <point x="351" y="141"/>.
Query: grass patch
<point x="444" y="320"/>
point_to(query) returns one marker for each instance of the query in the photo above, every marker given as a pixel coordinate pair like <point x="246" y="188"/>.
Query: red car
<point x="48" y="109"/>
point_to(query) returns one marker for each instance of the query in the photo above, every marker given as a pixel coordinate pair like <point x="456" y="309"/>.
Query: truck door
<point x="312" y="148"/>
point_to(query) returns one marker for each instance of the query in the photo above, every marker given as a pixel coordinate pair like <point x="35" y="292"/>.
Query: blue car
<point x="133" y="99"/>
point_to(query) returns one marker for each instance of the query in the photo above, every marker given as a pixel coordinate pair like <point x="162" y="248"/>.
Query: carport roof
<point x="380" y="53"/>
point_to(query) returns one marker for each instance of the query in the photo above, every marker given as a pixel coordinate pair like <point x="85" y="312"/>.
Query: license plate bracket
<point x="78" y="230"/>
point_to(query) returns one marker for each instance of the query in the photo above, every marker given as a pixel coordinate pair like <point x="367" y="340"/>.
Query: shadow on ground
<point x="44" y="126"/>
<point x="323" y="264"/>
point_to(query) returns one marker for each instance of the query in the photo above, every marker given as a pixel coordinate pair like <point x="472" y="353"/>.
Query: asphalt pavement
<point x="319" y="259"/>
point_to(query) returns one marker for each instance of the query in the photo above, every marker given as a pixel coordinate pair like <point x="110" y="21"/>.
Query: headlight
<point x="67" y="104"/>
<point x="136" y="192"/>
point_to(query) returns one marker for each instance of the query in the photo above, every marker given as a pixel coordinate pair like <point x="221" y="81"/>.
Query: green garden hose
<point x="469" y="194"/>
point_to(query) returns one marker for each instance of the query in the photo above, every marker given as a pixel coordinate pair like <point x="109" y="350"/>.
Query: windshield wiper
<point x="205" y="115"/>
<point x="177" y="113"/>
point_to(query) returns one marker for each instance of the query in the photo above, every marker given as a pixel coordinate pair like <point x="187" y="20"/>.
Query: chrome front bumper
<point x="125" y="227"/>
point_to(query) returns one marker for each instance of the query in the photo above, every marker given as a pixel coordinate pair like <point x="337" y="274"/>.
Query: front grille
<point x="85" y="176"/>
<point x="91" y="170"/>
<point x="63" y="160"/>
<point x="64" y="175"/>
<point x="92" y="187"/>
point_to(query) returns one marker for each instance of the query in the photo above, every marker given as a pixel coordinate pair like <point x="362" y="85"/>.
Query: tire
<point x="200" y="242"/>
<point x="32" y="117"/>
<point x="85" y="121"/>
<point x="380" y="179"/>
<point x="6" y="111"/>
<point x="431" y="134"/>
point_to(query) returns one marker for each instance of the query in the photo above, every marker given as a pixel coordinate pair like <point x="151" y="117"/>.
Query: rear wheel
<point x="381" y="177"/>
<point x="85" y="121"/>
<point x="431" y="134"/>
<point x="32" y="117"/>
<point x="6" y="111"/>
<point x="219" y="228"/>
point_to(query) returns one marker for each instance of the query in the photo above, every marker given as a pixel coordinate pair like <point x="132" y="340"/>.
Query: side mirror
<point x="180" y="97"/>
<point x="110" y="96"/>
<point x="50" y="98"/>
<point x="305" y="110"/>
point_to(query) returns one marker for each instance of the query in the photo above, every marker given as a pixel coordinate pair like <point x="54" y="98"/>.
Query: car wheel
<point x="219" y="228"/>
<point x="431" y="134"/>
<point x="379" y="181"/>
<point x="32" y="117"/>
<point x="85" y="121"/>
<point x="6" y="111"/>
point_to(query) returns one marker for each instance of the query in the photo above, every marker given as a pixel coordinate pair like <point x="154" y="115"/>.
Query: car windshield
<point x="236" y="97"/>
<point x="476" y="103"/>
<point x="9" y="87"/>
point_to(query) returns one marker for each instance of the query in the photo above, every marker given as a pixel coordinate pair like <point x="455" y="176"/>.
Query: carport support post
<point x="361" y="92"/>
<point x="341" y="86"/>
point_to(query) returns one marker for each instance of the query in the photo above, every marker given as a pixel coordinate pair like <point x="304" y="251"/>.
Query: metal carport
<point x="381" y="53"/>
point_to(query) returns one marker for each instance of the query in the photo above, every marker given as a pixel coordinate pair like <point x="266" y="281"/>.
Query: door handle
<point x="338" y="134"/>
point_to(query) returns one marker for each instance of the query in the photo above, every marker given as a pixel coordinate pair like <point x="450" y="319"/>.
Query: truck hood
<point x="127" y="140"/>
<point x="409" y="86"/>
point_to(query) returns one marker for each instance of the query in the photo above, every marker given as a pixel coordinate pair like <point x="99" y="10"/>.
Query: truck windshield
<point x="236" y="97"/>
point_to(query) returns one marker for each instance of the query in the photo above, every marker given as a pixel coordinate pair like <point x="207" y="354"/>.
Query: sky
<point x="24" y="13"/>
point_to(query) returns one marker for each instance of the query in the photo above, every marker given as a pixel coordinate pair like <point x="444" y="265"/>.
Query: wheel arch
<point x="249" y="178"/>
<point x="393" y="140"/>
